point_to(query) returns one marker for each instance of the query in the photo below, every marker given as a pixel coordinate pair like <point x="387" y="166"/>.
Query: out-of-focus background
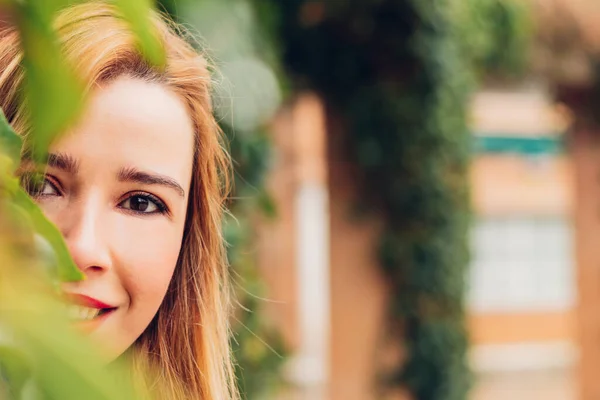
<point x="417" y="199"/>
<point x="419" y="187"/>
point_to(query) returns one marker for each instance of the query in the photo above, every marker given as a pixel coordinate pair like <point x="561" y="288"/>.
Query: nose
<point x="82" y="226"/>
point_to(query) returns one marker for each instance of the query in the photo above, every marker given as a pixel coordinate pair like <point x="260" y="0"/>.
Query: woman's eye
<point x="40" y="186"/>
<point x="143" y="204"/>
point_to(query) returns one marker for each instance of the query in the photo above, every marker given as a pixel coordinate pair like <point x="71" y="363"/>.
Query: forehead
<point x="131" y="122"/>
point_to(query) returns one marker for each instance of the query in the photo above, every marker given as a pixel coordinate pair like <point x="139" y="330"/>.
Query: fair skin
<point x="117" y="187"/>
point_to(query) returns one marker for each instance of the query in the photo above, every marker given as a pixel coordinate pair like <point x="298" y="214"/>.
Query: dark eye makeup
<point x="38" y="186"/>
<point x="143" y="203"/>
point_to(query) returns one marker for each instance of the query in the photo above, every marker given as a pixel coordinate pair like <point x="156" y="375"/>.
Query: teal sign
<point x="518" y="144"/>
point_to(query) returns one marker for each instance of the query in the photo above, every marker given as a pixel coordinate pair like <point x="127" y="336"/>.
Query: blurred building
<point x="522" y="295"/>
<point x="319" y="258"/>
<point x="522" y="300"/>
<point x="534" y="285"/>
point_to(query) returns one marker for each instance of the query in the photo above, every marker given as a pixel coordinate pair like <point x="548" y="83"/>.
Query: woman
<point x="137" y="188"/>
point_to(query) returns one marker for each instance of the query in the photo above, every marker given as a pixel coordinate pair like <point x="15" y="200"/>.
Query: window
<point x="521" y="263"/>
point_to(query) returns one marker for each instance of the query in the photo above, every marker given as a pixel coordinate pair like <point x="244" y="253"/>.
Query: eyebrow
<point x="63" y="162"/>
<point x="131" y="174"/>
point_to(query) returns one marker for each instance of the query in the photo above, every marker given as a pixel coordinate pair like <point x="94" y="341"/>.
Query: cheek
<point x="149" y="257"/>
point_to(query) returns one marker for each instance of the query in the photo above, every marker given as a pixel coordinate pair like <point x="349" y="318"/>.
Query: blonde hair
<point x="187" y="343"/>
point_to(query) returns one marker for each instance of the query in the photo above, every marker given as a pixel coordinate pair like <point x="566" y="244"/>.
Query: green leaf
<point x="65" y="364"/>
<point x="9" y="184"/>
<point x="137" y="13"/>
<point x="66" y="268"/>
<point x="267" y="204"/>
<point x="69" y="368"/>
<point x="14" y="368"/>
<point x="10" y="142"/>
<point x="53" y="94"/>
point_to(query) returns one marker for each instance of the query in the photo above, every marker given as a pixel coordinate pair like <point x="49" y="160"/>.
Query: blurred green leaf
<point x="53" y="94"/>
<point x="65" y="365"/>
<point x="49" y="82"/>
<point x="267" y="205"/>
<point x="14" y="369"/>
<point x="10" y="142"/>
<point x="66" y="268"/>
<point x="137" y="13"/>
<point x="66" y="370"/>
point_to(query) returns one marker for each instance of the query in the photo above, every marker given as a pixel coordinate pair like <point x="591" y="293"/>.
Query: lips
<point x="87" y="301"/>
<point x="86" y="310"/>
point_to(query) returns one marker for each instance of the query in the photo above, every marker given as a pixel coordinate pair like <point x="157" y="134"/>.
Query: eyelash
<point x="160" y="205"/>
<point x="28" y="180"/>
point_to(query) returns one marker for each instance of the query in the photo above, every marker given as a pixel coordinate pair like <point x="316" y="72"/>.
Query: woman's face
<point x="117" y="187"/>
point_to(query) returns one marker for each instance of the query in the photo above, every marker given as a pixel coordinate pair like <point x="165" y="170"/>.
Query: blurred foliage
<point x="258" y="349"/>
<point x="41" y="357"/>
<point x="42" y="59"/>
<point x="257" y="346"/>
<point x="247" y="94"/>
<point x="400" y="74"/>
<point x="495" y="34"/>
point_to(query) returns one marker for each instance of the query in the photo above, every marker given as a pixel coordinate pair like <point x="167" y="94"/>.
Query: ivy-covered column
<point x="395" y="73"/>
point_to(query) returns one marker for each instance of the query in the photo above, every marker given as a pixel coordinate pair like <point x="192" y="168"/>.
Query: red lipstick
<point x="87" y="301"/>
